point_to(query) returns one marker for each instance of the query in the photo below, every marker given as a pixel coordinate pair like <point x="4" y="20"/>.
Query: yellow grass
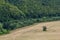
<point x="35" y="32"/>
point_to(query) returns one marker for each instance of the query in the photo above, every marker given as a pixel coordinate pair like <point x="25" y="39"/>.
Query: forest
<point x="20" y="13"/>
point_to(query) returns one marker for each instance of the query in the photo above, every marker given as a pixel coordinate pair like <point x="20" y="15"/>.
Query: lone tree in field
<point x="44" y="28"/>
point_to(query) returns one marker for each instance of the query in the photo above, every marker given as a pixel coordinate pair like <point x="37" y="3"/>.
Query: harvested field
<point x="34" y="32"/>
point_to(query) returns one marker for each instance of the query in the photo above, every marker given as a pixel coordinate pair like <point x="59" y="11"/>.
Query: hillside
<point x="19" y="13"/>
<point x="34" y="32"/>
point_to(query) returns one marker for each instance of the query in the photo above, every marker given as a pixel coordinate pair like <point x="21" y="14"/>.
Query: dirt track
<point x="35" y="32"/>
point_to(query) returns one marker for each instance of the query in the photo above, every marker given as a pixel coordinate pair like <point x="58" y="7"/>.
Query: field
<point x="34" y="32"/>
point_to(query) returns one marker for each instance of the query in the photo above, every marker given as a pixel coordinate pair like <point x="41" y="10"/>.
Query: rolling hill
<point x="19" y="13"/>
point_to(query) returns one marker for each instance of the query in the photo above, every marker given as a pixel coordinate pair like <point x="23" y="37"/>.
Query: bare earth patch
<point x="35" y="32"/>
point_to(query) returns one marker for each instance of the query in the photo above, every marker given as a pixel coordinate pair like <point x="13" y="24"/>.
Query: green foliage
<point x="19" y="13"/>
<point x="3" y="31"/>
<point x="1" y="26"/>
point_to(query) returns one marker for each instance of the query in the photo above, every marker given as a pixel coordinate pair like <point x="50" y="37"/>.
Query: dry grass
<point x="35" y="32"/>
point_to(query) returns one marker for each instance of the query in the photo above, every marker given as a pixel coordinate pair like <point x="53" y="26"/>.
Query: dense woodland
<point x="20" y="13"/>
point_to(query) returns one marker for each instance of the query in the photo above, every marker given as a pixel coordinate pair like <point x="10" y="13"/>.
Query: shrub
<point x="44" y="28"/>
<point x="2" y="30"/>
